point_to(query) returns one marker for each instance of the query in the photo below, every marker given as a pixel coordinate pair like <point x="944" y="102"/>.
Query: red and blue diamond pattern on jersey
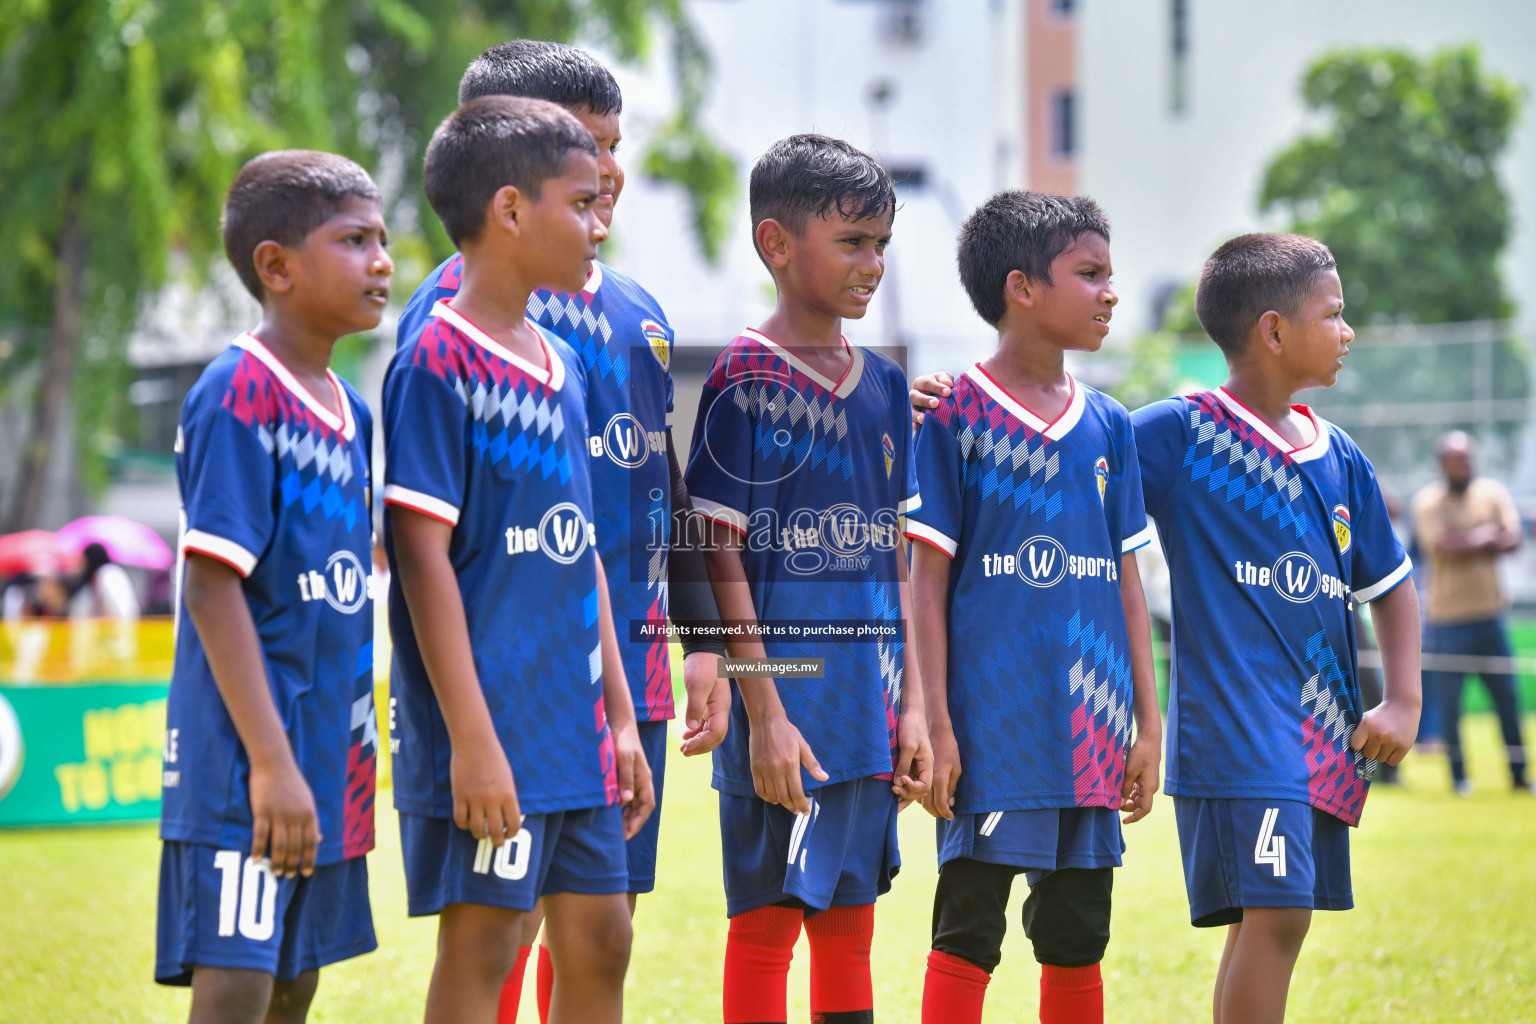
<point x="1267" y="547"/>
<point x="1036" y="517"/>
<point x="797" y="463"/>
<point x="495" y="446"/>
<point x="276" y="485"/>
<point x="622" y="337"/>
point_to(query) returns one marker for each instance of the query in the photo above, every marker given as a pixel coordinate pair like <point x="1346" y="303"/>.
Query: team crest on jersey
<point x="1101" y="475"/>
<point x="890" y="453"/>
<point x="656" y="336"/>
<point x="1341" y="531"/>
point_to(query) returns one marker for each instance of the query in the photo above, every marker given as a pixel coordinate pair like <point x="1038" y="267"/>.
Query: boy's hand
<point x="926" y="392"/>
<point x="946" y="771"/>
<point x="709" y="704"/>
<point x="484" y="798"/>
<point x="1141" y="776"/>
<point x="637" y="791"/>
<point x="1387" y="731"/>
<point x="283" y="816"/>
<point x="778" y="751"/>
<point x="914" y="757"/>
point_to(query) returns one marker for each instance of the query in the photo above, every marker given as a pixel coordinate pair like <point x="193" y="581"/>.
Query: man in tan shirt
<point x="1464" y="526"/>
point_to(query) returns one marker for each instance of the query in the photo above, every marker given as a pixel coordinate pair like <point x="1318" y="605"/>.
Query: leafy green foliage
<point x="130" y="117"/>
<point x="1402" y="181"/>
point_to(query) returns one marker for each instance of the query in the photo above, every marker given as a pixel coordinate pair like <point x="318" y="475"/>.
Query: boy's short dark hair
<point x="811" y="175"/>
<point x="1251" y="275"/>
<point x="282" y="196"/>
<point x="494" y="141"/>
<point x="1023" y="231"/>
<point x="539" y="70"/>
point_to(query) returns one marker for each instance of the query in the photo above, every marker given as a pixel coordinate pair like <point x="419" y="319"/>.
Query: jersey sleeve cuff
<point x="720" y="513"/>
<point x="1365" y="595"/>
<point x="227" y="551"/>
<point x="1136" y="540"/>
<point x="416" y="501"/>
<point x="928" y="535"/>
<point x="909" y="506"/>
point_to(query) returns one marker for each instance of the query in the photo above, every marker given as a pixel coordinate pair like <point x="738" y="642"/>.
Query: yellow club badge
<point x="890" y="453"/>
<point x="661" y="343"/>
<point x="1101" y="474"/>
<point x="1341" y="531"/>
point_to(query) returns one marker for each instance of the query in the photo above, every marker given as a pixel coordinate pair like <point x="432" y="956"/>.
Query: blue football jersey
<point x="1036" y="517"/>
<point x="814" y="474"/>
<point x="1267" y="546"/>
<point x="276" y="486"/>
<point x="625" y="344"/>
<point x="495" y="446"/>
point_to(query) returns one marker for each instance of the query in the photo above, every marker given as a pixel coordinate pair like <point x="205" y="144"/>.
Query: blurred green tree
<point x="123" y="121"/>
<point x="1402" y="181"/>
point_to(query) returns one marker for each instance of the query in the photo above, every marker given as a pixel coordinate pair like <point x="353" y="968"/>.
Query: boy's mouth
<point x="863" y="292"/>
<point x="379" y="295"/>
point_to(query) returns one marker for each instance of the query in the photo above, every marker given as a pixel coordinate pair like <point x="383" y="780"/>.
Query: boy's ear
<point x="506" y="209"/>
<point x="1018" y="290"/>
<point x="273" y="264"/>
<point x="772" y="242"/>
<point x="1271" y="331"/>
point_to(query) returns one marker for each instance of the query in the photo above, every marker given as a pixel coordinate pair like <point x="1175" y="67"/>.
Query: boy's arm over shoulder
<point x="1161" y="432"/>
<point x="937" y="522"/>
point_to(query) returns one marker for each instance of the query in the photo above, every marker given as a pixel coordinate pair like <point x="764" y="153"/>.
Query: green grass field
<point x="1442" y="931"/>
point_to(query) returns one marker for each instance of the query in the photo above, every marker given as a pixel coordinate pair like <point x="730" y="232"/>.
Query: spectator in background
<point x="102" y="588"/>
<point x="1463" y="526"/>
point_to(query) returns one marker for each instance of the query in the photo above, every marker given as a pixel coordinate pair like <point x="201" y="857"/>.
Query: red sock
<point x="841" y="992"/>
<point x="758" y="949"/>
<point x="512" y="989"/>
<point x="546" y="982"/>
<point x="1071" y="995"/>
<point x="954" y="990"/>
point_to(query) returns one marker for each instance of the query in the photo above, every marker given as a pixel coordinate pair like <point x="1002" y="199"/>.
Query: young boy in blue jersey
<point x="270" y="738"/>
<point x="1273" y="525"/>
<point x="625" y="344"/>
<point x="1032" y="510"/>
<point x="802" y="454"/>
<point x="518" y="773"/>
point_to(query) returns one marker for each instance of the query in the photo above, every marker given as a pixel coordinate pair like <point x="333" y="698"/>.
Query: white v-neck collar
<point x="552" y="375"/>
<point x="1055" y="430"/>
<point x="345" y="424"/>
<point x="594" y="281"/>
<point x="1313" y="449"/>
<point x="840" y="388"/>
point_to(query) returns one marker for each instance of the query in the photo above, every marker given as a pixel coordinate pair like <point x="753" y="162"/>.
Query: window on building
<point x="1178" y="56"/>
<point x="1063" y="125"/>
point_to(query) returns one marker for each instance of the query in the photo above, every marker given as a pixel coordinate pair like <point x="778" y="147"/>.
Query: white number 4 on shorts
<point x="1270" y="849"/>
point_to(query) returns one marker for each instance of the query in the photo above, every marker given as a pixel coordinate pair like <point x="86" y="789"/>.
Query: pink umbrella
<point x="128" y="542"/>
<point x="31" y="551"/>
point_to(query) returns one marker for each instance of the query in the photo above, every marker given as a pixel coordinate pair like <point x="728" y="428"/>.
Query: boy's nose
<point x="599" y="233"/>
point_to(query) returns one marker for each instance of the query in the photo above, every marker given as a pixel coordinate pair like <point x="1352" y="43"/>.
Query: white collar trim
<point x="839" y="388"/>
<point x="594" y="281"/>
<point x="551" y="375"/>
<point x="1313" y="449"/>
<point x="345" y="425"/>
<point x="1053" y="431"/>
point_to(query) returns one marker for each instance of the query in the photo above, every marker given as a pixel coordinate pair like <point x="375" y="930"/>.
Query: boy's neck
<point x="303" y="349"/>
<point x="496" y="301"/>
<point x="1023" y="358"/>
<point x="794" y="325"/>
<point x="1264" y="395"/>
